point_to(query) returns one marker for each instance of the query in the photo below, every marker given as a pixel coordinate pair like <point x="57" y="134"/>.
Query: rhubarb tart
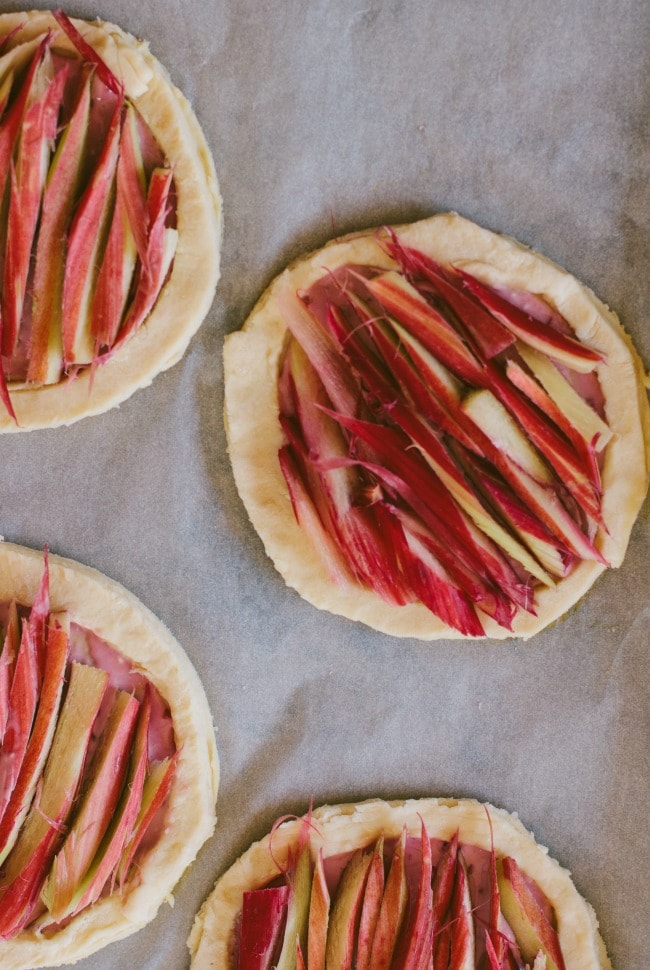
<point x="437" y="431"/>
<point x="108" y="764"/>
<point x="110" y="219"/>
<point x="433" y="883"/>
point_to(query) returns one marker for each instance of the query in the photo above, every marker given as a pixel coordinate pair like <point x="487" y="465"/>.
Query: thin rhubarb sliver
<point x="40" y="740"/>
<point x="110" y="852"/>
<point x="89" y="53"/>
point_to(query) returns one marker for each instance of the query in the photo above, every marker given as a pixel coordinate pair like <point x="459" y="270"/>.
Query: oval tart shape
<point x="437" y="432"/>
<point x="420" y="883"/>
<point x="107" y="758"/>
<point x="110" y="224"/>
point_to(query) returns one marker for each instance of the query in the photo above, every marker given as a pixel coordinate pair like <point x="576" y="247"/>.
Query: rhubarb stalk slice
<point x="567" y="350"/>
<point x="161" y="246"/>
<point x="371" y="906"/>
<point x="40" y="740"/>
<point x="84" y="244"/>
<point x="392" y="911"/>
<point x="29" y="861"/>
<point x="89" y="53"/>
<point x="96" y="808"/>
<point x="25" y="690"/>
<point x="27" y="184"/>
<point x="296" y="928"/>
<point x="156" y="788"/>
<point x="462" y="934"/>
<point x="264" y="913"/>
<point x="7" y="664"/>
<point x="107" y="857"/>
<point x="46" y="349"/>
<point x="346" y="911"/>
<point x="319" y="911"/>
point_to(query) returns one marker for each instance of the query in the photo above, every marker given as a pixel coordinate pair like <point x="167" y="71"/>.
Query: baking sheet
<point x="326" y="117"/>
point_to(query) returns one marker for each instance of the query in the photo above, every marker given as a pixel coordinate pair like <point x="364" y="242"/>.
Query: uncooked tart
<point x="468" y="841"/>
<point x="144" y="211"/>
<point x="128" y="661"/>
<point x="367" y="304"/>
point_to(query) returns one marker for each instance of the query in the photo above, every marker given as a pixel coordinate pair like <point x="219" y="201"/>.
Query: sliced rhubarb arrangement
<point x="83" y="175"/>
<point x="86" y="761"/>
<point x="408" y="886"/>
<point x="424" y="454"/>
<point x="448" y="438"/>
<point x="101" y="174"/>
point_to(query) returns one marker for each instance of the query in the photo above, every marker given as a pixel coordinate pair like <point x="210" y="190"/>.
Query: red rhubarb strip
<point x="549" y="442"/>
<point x="488" y="335"/>
<point x="23" y="699"/>
<point x="546" y="339"/>
<point x="46" y="349"/>
<point x="107" y="859"/>
<point x="264" y="914"/>
<point x="27" y="184"/>
<point x="585" y="450"/>
<point x="95" y="808"/>
<point x="153" y="270"/>
<point x="40" y="835"/>
<point x="393" y="910"/>
<point x="83" y="247"/>
<point x="40" y="739"/>
<point x="89" y="53"/>
<point x="418" y="936"/>
<point x="8" y="656"/>
<point x="404" y="302"/>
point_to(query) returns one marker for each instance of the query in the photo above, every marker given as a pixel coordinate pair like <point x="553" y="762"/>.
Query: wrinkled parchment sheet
<point x="326" y="116"/>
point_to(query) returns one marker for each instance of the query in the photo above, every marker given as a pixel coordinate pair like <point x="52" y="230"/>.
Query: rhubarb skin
<point x="264" y="914"/>
<point x="46" y="347"/>
<point x="42" y="832"/>
<point x="345" y="913"/>
<point x="95" y="809"/>
<point x="27" y="185"/>
<point x="107" y="859"/>
<point x="40" y="741"/>
<point x="319" y="911"/>
<point x="155" y="790"/>
<point x="10" y="648"/>
<point x="23" y="700"/>
<point x="84" y="242"/>
<point x="392" y="911"/>
<point x="371" y="906"/>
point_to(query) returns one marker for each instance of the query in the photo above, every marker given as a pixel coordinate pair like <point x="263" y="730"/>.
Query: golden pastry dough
<point x="252" y="358"/>
<point x="118" y="618"/>
<point x="186" y="297"/>
<point x="343" y="828"/>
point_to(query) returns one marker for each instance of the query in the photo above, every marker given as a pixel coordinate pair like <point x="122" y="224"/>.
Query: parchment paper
<point x="530" y="118"/>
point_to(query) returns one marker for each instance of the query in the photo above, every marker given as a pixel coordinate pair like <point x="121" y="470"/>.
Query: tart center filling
<point x="398" y="903"/>
<point x="87" y="758"/>
<point x="443" y="439"/>
<point x="87" y="211"/>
